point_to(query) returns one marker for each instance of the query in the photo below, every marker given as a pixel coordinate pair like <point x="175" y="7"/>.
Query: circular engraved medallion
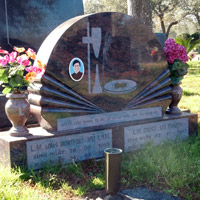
<point x="120" y="86"/>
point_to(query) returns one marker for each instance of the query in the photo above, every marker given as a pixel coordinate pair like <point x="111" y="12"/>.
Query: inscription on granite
<point x="64" y="149"/>
<point x="108" y="118"/>
<point x="136" y="136"/>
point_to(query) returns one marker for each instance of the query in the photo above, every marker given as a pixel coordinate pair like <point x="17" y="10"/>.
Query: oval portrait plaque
<point x="76" y="69"/>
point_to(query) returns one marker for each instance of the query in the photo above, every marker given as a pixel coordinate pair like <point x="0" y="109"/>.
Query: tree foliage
<point x="162" y="8"/>
<point x="169" y="12"/>
<point x="96" y="6"/>
<point x="192" y="8"/>
<point x="139" y="8"/>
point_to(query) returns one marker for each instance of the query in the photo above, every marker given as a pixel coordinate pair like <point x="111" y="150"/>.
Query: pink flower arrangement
<point x="175" y="51"/>
<point x="35" y="71"/>
<point x="13" y="65"/>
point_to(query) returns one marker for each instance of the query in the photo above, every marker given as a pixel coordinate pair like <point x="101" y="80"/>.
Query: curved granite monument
<point x="123" y="70"/>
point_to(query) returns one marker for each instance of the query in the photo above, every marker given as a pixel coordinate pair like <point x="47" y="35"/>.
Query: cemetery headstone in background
<point x="116" y="98"/>
<point x="28" y="22"/>
<point x="161" y="37"/>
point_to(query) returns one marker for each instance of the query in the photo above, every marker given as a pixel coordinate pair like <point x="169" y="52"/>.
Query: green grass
<point x="194" y="64"/>
<point x="12" y="187"/>
<point x="97" y="182"/>
<point x="173" y="167"/>
<point x="191" y="89"/>
<point x="52" y="182"/>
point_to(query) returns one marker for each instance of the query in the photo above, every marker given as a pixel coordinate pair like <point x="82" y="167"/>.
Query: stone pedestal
<point x="42" y="147"/>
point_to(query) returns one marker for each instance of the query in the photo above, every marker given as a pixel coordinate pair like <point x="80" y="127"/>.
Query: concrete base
<point x="40" y="147"/>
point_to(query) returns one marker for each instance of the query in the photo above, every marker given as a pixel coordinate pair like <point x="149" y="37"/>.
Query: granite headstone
<point x="106" y="85"/>
<point x="123" y="69"/>
<point x="28" y="22"/>
<point x="161" y="38"/>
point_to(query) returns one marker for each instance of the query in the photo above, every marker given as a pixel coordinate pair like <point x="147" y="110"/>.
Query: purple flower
<point x="175" y="51"/>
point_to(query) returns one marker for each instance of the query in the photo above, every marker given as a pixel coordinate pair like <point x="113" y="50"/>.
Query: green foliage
<point x="97" y="182"/>
<point x="178" y="69"/>
<point x="80" y="190"/>
<point x="196" y="36"/>
<point x="76" y="169"/>
<point x="3" y="75"/>
<point x="12" y="78"/>
<point x="187" y="41"/>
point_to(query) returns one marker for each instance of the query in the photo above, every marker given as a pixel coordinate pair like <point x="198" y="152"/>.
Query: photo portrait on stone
<point x="76" y="69"/>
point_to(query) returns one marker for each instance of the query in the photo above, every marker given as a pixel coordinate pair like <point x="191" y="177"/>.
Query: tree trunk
<point x="198" y="19"/>
<point x="162" y="23"/>
<point x="141" y="9"/>
<point x="169" y="27"/>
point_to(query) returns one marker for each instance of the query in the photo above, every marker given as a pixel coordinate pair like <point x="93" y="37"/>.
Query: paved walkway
<point x="140" y="194"/>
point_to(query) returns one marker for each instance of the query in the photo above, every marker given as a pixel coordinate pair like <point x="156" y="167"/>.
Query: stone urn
<point x="176" y="97"/>
<point x="17" y="110"/>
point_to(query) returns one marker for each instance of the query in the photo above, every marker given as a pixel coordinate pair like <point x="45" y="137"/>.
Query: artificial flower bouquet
<point x="177" y="58"/>
<point x="16" y="69"/>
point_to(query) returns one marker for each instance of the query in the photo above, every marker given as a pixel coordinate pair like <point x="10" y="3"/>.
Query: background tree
<point x="91" y="6"/>
<point x="116" y="5"/>
<point x="95" y="6"/>
<point x="141" y="9"/>
<point x="192" y="10"/>
<point x="165" y="13"/>
<point x="162" y="8"/>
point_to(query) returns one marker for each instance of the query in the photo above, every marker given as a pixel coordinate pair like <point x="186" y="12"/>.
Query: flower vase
<point x="176" y="97"/>
<point x="17" y="110"/>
